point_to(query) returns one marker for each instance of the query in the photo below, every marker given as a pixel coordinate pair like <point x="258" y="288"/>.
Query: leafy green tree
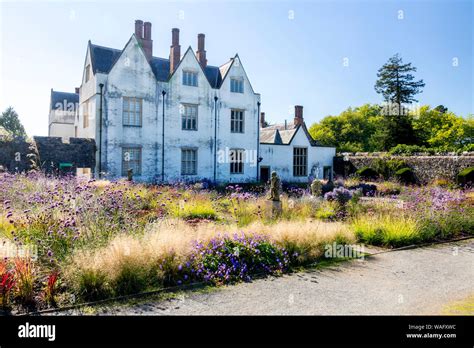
<point x="396" y="130"/>
<point x="10" y="121"/>
<point x="351" y="131"/>
<point x="397" y="85"/>
<point x="365" y="129"/>
<point x="442" y="129"/>
<point x="441" y="108"/>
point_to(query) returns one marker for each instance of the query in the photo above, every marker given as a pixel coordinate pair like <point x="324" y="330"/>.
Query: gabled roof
<point x="104" y="58"/>
<point x="287" y="135"/>
<point x="275" y="135"/>
<point x="282" y="126"/>
<point x="270" y="136"/>
<point x="58" y="98"/>
<point x="213" y="76"/>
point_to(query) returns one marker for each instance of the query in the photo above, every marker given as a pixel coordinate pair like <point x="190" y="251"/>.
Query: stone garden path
<point x="414" y="281"/>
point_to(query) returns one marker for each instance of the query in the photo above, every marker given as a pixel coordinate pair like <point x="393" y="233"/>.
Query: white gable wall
<point x="175" y="137"/>
<point x="279" y="158"/>
<point x="246" y="101"/>
<point x="131" y="76"/>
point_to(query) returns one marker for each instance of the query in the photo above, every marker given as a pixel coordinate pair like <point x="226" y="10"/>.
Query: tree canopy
<point x="396" y="82"/>
<point x="364" y="128"/>
<point x="10" y="121"/>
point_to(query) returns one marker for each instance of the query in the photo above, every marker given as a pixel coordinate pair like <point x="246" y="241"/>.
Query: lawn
<point x="99" y="239"/>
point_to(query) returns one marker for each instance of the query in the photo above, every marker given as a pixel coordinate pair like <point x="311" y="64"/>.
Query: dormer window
<point x="190" y="78"/>
<point x="237" y="85"/>
<point x="88" y="72"/>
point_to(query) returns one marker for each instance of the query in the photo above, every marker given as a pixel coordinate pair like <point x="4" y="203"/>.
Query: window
<point x="237" y="121"/>
<point x="131" y="159"/>
<point x="188" y="161"/>
<point x="237" y="85"/>
<point x="85" y="114"/>
<point x="190" y="78"/>
<point x="88" y="72"/>
<point x="189" y="116"/>
<point x="132" y="111"/>
<point x="300" y="161"/>
<point x="236" y="158"/>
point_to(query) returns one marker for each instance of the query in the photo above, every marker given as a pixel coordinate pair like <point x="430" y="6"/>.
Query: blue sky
<point x="294" y="52"/>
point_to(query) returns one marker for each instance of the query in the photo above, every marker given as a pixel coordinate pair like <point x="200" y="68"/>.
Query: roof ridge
<point x="161" y="58"/>
<point x="107" y="47"/>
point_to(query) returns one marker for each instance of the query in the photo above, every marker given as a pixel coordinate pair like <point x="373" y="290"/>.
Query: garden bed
<point x="99" y="239"/>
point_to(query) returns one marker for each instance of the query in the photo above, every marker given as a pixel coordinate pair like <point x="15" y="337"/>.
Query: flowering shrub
<point x="365" y="189"/>
<point x="227" y="259"/>
<point x="427" y="214"/>
<point x="340" y="195"/>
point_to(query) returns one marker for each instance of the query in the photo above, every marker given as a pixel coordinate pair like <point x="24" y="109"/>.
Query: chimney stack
<point x="298" y="115"/>
<point x="201" y="52"/>
<point x="147" y="31"/>
<point x="143" y="34"/>
<point x="262" y="120"/>
<point x="175" y="53"/>
<point x="139" y="29"/>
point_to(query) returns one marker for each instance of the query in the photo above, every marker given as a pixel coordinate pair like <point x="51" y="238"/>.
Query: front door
<point x="327" y="173"/>
<point x="264" y="174"/>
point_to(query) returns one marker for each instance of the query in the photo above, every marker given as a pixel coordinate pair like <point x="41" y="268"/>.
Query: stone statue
<point x="316" y="188"/>
<point x="130" y="174"/>
<point x="275" y="187"/>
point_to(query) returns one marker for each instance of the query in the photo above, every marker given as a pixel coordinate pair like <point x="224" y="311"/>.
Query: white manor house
<point x="180" y="119"/>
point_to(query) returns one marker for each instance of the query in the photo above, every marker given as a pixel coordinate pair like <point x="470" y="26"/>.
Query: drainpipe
<point x="215" y="139"/>
<point x="258" y="141"/>
<point x="101" y="86"/>
<point x="163" y="93"/>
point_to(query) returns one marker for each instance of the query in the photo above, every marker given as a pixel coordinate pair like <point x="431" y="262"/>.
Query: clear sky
<point x="323" y="55"/>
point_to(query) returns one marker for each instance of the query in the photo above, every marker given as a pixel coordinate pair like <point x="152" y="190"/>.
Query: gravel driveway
<point x="415" y="281"/>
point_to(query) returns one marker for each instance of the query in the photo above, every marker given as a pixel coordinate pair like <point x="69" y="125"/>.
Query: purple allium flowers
<point x="340" y="195"/>
<point x="226" y="259"/>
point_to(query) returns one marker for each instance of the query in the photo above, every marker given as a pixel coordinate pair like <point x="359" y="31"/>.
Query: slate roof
<point x="270" y="136"/>
<point x="104" y="58"/>
<point x="278" y="135"/>
<point x="282" y="126"/>
<point x="58" y="98"/>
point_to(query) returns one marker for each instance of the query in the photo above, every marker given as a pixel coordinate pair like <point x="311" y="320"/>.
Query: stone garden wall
<point x="79" y="152"/>
<point x="47" y="154"/>
<point x="426" y="168"/>
<point x="17" y="155"/>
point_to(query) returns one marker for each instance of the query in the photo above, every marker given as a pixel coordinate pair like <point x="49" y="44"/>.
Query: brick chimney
<point x="143" y="34"/>
<point x="139" y="29"/>
<point x="298" y="115"/>
<point x="201" y="52"/>
<point x="262" y="120"/>
<point x="147" y="42"/>
<point x="175" y="52"/>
